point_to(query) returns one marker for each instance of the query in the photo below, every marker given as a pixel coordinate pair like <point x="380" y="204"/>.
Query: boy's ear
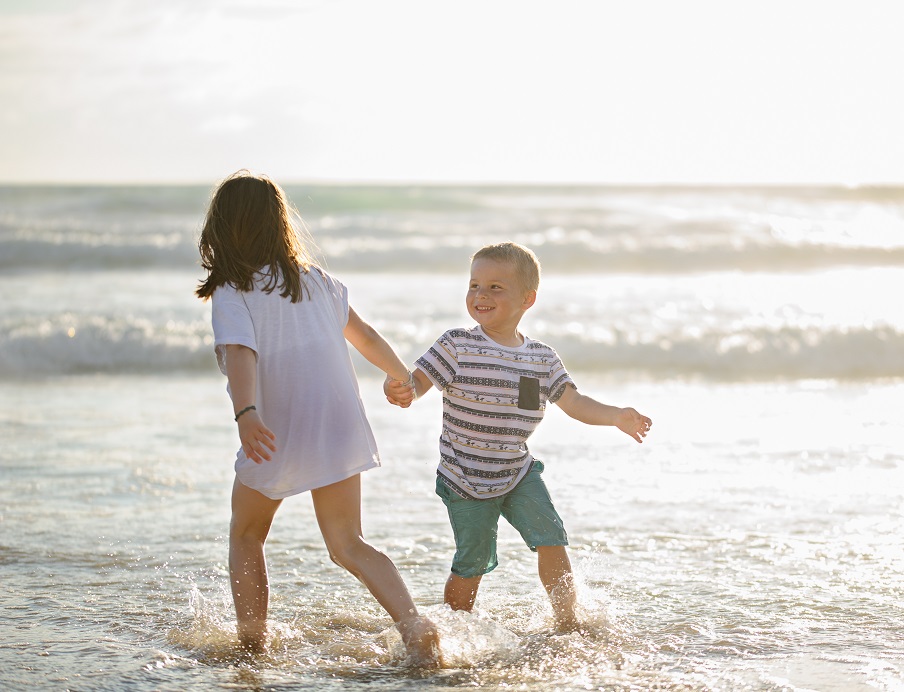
<point x="529" y="299"/>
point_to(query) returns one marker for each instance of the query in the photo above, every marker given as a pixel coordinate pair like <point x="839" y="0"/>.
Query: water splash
<point x="467" y="639"/>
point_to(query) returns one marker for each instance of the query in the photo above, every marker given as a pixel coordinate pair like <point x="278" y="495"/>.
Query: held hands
<point x="633" y="424"/>
<point x="257" y="439"/>
<point x="399" y="393"/>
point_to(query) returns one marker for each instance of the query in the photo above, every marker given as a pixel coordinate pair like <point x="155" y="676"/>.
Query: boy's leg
<point x="252" y="515"/>
<point x="528" y="507"/>
<point x="558" y="580"/>
<point x="338" y="511"/>
<point x="474" y="525"/>
<point x="461" y="592"/>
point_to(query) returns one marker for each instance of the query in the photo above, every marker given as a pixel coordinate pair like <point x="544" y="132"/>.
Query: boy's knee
<point x="470" y="567"/>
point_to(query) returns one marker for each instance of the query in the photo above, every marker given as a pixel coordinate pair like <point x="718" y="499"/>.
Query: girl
<point x="280" y="323"/>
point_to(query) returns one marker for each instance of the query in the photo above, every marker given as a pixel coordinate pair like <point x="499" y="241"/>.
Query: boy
<point x="496" y="383"/>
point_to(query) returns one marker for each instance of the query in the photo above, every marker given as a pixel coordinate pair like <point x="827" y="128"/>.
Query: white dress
<point x="307" y="391"/>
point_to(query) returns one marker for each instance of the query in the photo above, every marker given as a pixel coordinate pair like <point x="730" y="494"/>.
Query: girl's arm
<point x="241" y="369"/>
<point x="588" y="410"/>
<point x="371" y="344"/>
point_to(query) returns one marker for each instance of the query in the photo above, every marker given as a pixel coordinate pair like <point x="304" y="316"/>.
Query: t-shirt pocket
<point x="529" y="394"/>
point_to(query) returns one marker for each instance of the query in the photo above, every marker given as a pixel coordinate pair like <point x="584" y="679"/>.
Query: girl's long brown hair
<point x="249" y="226"/>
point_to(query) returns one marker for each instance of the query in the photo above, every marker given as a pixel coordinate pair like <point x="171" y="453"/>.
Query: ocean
<point x="753" y="542"/>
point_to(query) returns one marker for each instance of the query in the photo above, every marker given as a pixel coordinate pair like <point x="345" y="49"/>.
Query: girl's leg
<point x="558" y="580"/>
<point x="252" y="515"/>
<point x="338" y="511"/>
<point x="461" y="592"/>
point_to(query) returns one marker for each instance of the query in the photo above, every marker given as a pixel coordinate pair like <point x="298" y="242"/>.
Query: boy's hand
<point x="398" y="393"/>
<point x="633" y="424"/>
<point x="257" y="439"/>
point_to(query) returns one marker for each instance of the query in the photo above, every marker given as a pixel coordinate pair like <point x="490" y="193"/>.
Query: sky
<point x="589" y="91"/>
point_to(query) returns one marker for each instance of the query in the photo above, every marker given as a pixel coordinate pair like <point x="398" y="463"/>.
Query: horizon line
<point x="364" y="182"/>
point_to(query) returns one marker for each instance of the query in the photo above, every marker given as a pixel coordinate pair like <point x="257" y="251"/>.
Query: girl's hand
<point x="257" y="439"/>
<point x="633" y="424"/>
<point x="398" y="393"/>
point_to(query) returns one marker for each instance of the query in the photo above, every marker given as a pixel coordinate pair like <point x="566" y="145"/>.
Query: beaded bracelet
<point x="245" y="410"/>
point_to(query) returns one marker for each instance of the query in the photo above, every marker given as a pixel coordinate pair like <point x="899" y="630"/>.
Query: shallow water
<point x="763" y="553"/>
<point x="751" y="543"/>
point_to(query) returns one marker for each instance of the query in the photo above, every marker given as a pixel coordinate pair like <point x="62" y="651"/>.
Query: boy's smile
<point x="497" y="300"/>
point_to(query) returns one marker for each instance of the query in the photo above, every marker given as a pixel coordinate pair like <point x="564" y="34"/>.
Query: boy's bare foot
<point x="421" y="639"/>
<point x="566" y="625"/>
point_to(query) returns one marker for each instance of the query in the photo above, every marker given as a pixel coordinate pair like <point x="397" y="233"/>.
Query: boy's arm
<point x="590" y="411"/>
<point x="401" y="394"/>
<point x="371" y="344"/>
<point x="241" y="370"/>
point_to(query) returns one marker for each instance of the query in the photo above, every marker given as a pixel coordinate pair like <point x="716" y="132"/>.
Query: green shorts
<point x="527" y="507"/>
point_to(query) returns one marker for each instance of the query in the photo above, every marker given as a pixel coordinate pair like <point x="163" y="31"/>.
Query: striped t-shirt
<point x="494" y="397"/>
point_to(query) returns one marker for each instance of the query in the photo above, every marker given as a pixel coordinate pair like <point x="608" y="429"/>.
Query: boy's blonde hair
<point x="251" y="225"/>
<point x="523" y="259"/>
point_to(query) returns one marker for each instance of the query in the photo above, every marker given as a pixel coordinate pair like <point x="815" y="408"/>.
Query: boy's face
<point x="496" y="297"/>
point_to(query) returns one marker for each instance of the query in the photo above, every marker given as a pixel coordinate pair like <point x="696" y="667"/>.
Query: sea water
<point x="751" y="543"/>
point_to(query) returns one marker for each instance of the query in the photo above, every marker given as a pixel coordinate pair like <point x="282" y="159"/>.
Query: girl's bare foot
<point x="421" y="639"/>
<point x="253" y="644"/>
